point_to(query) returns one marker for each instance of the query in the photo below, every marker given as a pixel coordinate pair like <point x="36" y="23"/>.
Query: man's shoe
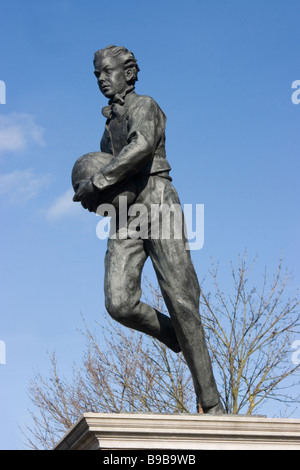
<point x="215" y="410"/>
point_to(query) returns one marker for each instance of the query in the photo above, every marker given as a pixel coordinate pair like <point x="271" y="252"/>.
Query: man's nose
<point x="101" y="78"/>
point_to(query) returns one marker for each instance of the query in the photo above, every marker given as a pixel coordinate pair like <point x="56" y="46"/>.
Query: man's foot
<point x="215" y="410"/>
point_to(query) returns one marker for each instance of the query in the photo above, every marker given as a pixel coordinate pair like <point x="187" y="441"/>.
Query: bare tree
<point x="249" y="333"/>
<point x="122" y="371"/>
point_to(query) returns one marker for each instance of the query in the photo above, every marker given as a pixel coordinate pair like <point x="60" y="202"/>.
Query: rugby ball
<point x="92" y="163"/>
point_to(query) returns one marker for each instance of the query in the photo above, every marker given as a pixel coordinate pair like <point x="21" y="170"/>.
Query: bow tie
<point x="114" y="109"/>
<point x="116" y="106"/>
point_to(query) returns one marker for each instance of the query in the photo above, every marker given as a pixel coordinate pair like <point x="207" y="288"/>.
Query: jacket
<point x="135" y="137"/>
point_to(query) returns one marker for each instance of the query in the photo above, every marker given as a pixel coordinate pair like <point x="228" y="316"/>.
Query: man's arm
<point x="145" y="129"/>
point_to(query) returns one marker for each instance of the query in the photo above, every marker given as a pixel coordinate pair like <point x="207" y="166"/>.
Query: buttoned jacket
<point x="135" y="137"/>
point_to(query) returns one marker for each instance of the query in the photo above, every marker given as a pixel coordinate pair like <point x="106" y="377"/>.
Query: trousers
<point x="124" y="262"/>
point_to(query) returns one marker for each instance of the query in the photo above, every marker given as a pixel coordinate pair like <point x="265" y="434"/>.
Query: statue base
<point x="144" y="431"/>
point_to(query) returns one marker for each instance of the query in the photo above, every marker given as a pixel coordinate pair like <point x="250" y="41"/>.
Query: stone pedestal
<point x="105" y="431"/>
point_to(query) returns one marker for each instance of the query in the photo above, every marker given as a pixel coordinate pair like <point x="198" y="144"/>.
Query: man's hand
<point x="85" y="193"/>
<point x="83" y="189"/>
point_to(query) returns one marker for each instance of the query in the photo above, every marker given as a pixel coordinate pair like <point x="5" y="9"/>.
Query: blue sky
<point x="222" y="72"/>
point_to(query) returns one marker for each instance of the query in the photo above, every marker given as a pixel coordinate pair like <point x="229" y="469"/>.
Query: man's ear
<point x="129" y="75"/>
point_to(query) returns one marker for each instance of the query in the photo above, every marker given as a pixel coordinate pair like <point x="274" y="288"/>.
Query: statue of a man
<point x="135" y="137"/>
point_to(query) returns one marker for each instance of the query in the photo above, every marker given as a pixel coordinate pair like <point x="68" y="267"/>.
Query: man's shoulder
<point x="144" y="101"/>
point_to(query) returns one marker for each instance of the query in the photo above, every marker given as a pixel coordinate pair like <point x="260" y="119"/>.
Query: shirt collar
<point x="118" y="105"/>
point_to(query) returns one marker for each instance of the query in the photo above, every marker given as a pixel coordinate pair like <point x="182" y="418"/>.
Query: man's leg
<point x="180" y="289"/>
<point x="124" y="262"/>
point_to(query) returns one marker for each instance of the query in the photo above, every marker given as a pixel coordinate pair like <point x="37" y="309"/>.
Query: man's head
<point x="116" y="70"/>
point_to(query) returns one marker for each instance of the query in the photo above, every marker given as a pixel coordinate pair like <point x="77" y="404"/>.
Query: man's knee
<point x="120" y="309"/>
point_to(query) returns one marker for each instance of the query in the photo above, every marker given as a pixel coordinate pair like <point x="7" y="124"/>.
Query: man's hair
<point x="126" y="58"/>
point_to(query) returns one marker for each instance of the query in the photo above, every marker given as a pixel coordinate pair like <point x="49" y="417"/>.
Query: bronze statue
<point x="134" y="162"/>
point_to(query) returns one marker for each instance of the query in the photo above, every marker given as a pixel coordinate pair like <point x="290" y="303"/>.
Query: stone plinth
<point x="105" y="431"/>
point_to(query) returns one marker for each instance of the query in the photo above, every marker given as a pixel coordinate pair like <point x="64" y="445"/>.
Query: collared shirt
<point x="135" y="137"/>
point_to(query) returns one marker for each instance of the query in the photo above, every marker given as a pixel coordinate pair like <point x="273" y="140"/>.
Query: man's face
<point x="111" y="76"/>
